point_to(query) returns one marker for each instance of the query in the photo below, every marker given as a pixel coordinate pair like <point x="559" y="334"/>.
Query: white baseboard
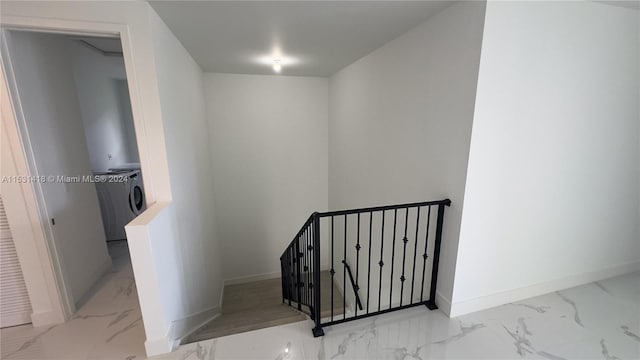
<point x="251" y="278"/>
<point x="158" y="346"/>
<point x="443" y="303"/>
<point x="182" y="328"/>
<point x="46" y="318"/>
<point x="509" y="296"/>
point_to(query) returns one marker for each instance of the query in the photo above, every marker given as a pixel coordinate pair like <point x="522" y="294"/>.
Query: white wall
<point x="400" y="122"/>
<point x="105" y="107"/>
<point x="158" y="271"/>
<point x="552" y="187"/>
<point x="137" y="22"/>
<point x="269" y="153"/>
<point x="43" y="72"/>
<point x="189" y="158"/>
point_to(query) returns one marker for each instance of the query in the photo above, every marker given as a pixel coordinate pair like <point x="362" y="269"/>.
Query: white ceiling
<point x="321" y="37"/>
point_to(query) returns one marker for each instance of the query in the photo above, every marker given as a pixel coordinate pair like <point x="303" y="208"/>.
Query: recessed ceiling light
<point x="277" y="67"/>
<point x="276" y="61"/>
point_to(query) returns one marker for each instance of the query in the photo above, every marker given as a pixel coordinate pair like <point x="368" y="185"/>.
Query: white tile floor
<point x="593" y="321"/>
<point x="108" y="326"/>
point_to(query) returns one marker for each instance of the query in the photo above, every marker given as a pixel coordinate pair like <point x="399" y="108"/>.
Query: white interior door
<point x="15" y="308"/>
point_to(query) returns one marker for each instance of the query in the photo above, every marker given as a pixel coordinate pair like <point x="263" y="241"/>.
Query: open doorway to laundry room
<point x="74" y="116"/>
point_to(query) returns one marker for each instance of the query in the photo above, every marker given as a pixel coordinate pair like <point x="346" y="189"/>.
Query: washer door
<point x="136" y="196"/>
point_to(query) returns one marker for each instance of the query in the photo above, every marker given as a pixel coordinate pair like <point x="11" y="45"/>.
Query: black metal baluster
<point x="369" y="264"/>
<point x="436" y="258"/>
<point x="381" y="263"/>
<point x="404" y="254"/>
<point x="298" y="292"/>
<point x="306" y="266"/>
<point x="300" y="267"/>
<point x="317" y="330"/>
<point x="332" y="271"/>
<point x="415" y="251"/>
<point x="308" y="263"/>
<point x="299" y="271"/>
<point x="357" y="260"/>
<point x="294" y="266"/>
<point x="309" y="269"/>
<point x="344" y="271"/>
<point x="315" y="265"/>
<point x="424" y="255"/>
<point x="282" y="279"/>
<point x="310" y="247"/>
<point x="283" y="271"/>
<point x="302" y="259"/>
<point x="292" y="274"/>
<point x="393" y="255"/>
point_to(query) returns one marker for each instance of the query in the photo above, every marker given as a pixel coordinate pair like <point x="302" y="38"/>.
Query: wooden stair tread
<point x="258" y="305"/>
<point x="238" y="322"/>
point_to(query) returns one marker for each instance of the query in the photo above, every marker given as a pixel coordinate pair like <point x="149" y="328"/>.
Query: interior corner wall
<point x="400" y="122"/>
<point x="105" y="107"/>
<point x="134" y="19"/>
<point x="53" y="129"/>
<point x="180" y="81"/>
<point x="552" y="195"/>
<point x="269" y="153"/>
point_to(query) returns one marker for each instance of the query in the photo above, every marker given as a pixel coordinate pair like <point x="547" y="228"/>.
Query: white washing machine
<point x="121" y="197"/>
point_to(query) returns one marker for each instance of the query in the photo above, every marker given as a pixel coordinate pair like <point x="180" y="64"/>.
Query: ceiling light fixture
<point x="277" y="66"/>
<point x="275" y="60"/>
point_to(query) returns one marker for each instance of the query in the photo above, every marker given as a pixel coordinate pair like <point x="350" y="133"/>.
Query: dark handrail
<point x="303" y="228"/>
<point x="446" y="202"/>
<point x="353" y="284"/>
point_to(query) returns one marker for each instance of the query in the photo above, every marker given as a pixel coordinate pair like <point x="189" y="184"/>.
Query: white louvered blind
<point x="15" y="308"/>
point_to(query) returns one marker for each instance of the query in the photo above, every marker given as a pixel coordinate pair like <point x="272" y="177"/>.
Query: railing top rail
<point x="446" y="202"/>
<point x="306" y="225"/>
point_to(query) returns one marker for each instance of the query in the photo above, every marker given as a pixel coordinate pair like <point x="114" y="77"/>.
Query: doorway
<point x="78" y="135"/>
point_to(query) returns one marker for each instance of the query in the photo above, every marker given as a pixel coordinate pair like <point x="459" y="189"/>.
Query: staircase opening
<point x="368" y="261"/>
<point x="257" y="305"/>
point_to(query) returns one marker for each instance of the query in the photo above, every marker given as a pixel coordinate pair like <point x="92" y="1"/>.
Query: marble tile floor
<point x="107" y="326"/>
<point x="594" y="321"/>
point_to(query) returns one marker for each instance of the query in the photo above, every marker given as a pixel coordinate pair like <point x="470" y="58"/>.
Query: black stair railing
<point x="385" y="258"/>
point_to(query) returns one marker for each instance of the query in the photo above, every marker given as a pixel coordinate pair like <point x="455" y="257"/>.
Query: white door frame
<point x="15" y="126"/>
<point x="24" y="221"/>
